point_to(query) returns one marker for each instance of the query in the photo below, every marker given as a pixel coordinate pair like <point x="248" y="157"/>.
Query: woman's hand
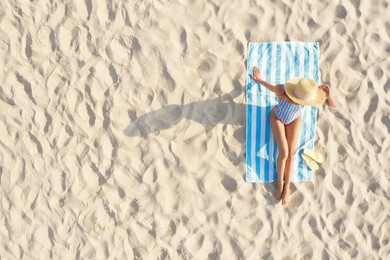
<point x="278" y="89"/>
<point x="256" y="74"/>
<point x="326" y="89"/>
<point x="330" y="101"/>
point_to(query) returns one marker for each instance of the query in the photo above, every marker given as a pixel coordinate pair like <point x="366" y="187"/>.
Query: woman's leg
<point x="280" y="136"/>
<point x="292" y="135"/>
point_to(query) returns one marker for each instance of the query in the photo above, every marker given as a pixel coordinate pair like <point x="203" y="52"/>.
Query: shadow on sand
<point x="221" y="110"/>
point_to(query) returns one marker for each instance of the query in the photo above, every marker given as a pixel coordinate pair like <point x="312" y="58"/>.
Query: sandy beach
<point x="123" y="131"/>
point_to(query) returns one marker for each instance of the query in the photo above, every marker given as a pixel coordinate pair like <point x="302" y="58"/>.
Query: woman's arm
<point x="330" y="101"/>
<point x="278" y="89"/>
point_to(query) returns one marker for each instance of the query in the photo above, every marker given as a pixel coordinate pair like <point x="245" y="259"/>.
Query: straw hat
<point x="304" y="91"/>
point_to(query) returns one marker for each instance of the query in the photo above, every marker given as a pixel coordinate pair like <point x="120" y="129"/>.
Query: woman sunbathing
<point x="285" y="119"/>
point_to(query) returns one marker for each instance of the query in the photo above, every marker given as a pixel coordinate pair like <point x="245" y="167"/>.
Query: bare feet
<point x="286" y="193"/>
<point x="278" y="191"/>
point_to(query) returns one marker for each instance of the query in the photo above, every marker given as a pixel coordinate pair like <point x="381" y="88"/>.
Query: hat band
<point x="306" y="98"/>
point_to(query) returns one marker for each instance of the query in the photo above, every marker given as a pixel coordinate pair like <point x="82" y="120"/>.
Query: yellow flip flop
<point x="313" y="155"/>
<point x="310" y="162"/>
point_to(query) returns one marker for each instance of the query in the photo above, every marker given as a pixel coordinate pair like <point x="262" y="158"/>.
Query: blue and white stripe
<point x="278" y="62"/>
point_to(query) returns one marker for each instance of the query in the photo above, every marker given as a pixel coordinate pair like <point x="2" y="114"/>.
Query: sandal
<point x="310" y="162"/>
<point x="313" y="155"/>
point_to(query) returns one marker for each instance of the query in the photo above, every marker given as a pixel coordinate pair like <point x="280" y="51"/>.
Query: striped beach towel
<point x="278" y="62"/>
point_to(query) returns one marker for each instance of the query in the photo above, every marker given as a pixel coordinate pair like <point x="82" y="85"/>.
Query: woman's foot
<point x="286" y="194"/>
<point x="278" y="191"/>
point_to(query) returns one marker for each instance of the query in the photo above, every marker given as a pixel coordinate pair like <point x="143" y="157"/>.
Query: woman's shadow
<point x="221" y="110"/>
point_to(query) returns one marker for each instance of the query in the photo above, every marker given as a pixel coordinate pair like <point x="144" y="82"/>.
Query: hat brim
<point x="289" y="89"/>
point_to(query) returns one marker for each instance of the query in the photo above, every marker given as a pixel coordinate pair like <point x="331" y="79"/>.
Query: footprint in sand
<point x="98" y="219"/>
<point x="4" y="46"/>
<point x="130" y="41"/>
<point x="45" y="38"/>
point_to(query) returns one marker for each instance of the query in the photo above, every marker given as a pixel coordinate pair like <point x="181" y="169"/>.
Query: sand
<point x="123" y="131"/>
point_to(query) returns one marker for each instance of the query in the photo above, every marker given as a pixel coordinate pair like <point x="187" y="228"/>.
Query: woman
<point x="285" y="119"/>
